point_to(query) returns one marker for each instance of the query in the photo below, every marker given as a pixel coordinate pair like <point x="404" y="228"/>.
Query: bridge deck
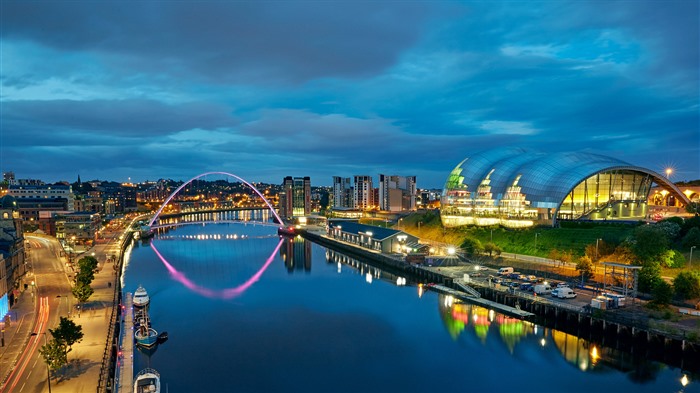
<point x="126" y="362"/>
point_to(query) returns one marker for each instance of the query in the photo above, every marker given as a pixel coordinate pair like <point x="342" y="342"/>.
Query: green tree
<point x="492" y="248"/>
<point x="67" y="333"/>
<point x="649" y="276"/>
<point x="88" y="263"/>
<point x="54" y="354"/>
<point x="671" y="228"/>
<point x="472" y="246"/>
<point x="82" y="293"/>
<point x="649" y="243"/>
<point x="585" y="267"/>
<point x="662" y="293"/>
<point x="673" y="259"/>
<point x="687" y="285"/>
<point x="692" y="238"/>
<point x="84" y="277"/>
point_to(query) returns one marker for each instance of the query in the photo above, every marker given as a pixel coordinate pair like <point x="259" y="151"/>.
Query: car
<point x="514" y="284"/>
<point x="522" y="277"/>
<point x="532" y="278"/>
<point x="565" y="293"/>
<point x="526" y="286"/>
<point x="563" y="285"/>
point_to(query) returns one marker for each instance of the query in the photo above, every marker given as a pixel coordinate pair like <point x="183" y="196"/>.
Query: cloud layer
<point x="146" y="90"/>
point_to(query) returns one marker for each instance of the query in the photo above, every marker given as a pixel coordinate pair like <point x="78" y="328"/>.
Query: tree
<point x="492" y="248"/>
<point x="687" y="285"/>
<point x="649" y="276"/>
<point x="585" y="267"/>
<point x="692" y="238"/>
<point x="67" y="333"/>
<point x="648" y="243"/>
<point x="565" y="257"/>
<point x="88" y="263"/>
<point x="662" y="293"/>
<point x="472" y="246"/>
<point x="671" y="227"/>
<point x="82" y="293"/>
<point x="54" y="354"/>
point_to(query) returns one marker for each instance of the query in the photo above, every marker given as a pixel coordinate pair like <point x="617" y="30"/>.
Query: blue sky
<point x="171" y="89"/>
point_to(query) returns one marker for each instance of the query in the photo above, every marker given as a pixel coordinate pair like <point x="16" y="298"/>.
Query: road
<point x="52" y="290"/>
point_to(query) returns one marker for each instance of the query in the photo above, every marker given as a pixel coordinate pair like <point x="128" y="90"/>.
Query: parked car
<point x="543" y="289"/>
<point x="563" y="285"/>
<point x="532" y="278"/>
<point x="565" y="293"/>
<point x="526" y="286"/>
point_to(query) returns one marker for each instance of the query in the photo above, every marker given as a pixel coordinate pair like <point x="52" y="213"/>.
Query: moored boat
<point x="146" y="337"/>
<point x="141" y="298"/>
<point x="147" y="381"/>
<point x="286" y="231"/>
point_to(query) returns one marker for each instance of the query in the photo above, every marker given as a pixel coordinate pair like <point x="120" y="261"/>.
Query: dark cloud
<point x="245" y="42"/>
<point x="123" y="118"/>
<point x="266" y="90"/>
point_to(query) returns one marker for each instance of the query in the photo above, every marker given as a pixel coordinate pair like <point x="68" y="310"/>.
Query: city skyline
<point x="268" y="90"/>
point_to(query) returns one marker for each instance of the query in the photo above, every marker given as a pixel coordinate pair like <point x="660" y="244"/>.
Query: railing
<point x="102" y="383"/>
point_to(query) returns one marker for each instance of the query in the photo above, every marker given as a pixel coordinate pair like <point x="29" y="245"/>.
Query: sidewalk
<point x="85" y="360"/>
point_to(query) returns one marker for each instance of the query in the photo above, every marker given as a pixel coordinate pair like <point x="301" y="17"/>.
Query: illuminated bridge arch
<point x="269" y="205"/>
<point x="515" y="187"/>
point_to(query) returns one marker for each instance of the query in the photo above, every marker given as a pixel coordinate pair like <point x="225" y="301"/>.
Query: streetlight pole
<point x="48" y="371"/>
<point x="536" y="234"/>
<point x="596" y="249"/>
<point x="690" y="261"/>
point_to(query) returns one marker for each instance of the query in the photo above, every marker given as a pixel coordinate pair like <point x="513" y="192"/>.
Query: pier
<point x="126" y="359"/>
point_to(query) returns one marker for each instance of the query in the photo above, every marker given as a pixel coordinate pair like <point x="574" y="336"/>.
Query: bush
<point x="472" y="246"/>
<point x="692" y="238"/>
<point x="687" y="285"/>
<point x="662" y="293"/>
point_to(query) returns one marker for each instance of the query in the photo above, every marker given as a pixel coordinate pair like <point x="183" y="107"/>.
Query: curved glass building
<point x="520" y="188"/>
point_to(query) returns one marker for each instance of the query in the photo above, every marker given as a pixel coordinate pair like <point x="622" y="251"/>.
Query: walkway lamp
<point x="596" y="248"/>
<point x="690" y="260"/>
<point x="536" y="234"/>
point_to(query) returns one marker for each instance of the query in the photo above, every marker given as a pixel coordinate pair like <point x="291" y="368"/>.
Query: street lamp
<point x="536" y="234"/>
<point x="669" y="171"/>
<point x="419" y="222"/>
<point x="596" y="249"/>
<point x="48" y="371"/>
<point x="690" y="260"/>
<point x="400" y="223"/>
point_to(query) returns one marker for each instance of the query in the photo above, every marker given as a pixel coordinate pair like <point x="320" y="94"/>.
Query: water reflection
<point x="296" y="254"/>
<point x="462" y="319"/>
<point x="227" y="293"/>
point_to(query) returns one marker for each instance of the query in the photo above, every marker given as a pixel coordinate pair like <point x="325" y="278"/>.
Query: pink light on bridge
<point x="228" y="293"/>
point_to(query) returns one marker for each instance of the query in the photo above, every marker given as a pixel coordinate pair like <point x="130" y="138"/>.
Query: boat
<point x="162" y="337"/>
<point x="145" y="335"/>
<point x="141" y="298"/>
<point x="147" y="381"/>
<point x="286" y="231"/>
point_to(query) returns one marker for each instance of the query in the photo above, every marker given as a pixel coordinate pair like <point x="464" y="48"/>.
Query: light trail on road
<point x="41" y="326"/>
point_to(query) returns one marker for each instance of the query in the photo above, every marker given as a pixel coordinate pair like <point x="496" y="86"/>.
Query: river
<point x="248" y="312"/>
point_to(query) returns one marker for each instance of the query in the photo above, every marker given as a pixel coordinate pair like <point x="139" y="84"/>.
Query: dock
<point x="502" y="308"/>
<point x="126" y="360"/>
